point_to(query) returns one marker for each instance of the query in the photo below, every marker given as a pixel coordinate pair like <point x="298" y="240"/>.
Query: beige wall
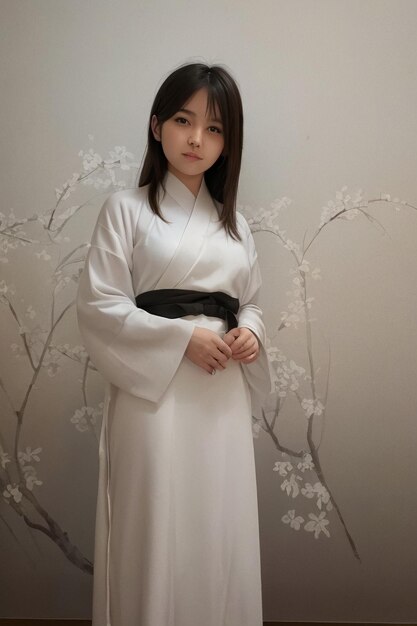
<point x="329" y="90"/>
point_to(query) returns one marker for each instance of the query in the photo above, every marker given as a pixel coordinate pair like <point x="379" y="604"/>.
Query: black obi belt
<point x="173" y="303"/>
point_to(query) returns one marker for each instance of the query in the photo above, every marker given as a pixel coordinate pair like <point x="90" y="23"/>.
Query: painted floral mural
<point x="21" y="479"/>
<point x="299" y="471"/>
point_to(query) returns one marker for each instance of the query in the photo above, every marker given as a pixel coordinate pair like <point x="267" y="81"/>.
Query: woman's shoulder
<point x="241" y="222"/>
<point x="242" y="225"/>
<point x="126" y="200"/>
<point x="130" y="197"/>
<point x="122" y="208"/>
<point x="247" y="236"/>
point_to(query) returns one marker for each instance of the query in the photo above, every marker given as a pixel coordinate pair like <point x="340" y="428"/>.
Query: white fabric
<point x="177" y="539"/>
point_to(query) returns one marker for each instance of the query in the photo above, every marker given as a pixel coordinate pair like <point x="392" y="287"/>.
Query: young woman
<point x="167" y="308"/>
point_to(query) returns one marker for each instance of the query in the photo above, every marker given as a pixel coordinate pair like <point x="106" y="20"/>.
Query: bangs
<point x="180" y="86"/>
<point x="214" y="104"/>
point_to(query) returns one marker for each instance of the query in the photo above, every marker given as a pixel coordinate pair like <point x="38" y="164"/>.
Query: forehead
<point x="203" y="103"/>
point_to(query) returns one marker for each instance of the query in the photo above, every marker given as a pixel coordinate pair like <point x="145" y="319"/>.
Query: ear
<point x="156" y="128"/>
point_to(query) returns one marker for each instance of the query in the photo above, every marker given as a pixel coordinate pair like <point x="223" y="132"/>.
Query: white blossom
<point x="293" y="318"/>
<point x="304" y="266"/>
<point x="351" y="213"/>
<point x="122" y="155"/>
<point x="272" y="352"/>
<point x="29" y="455"/>
<point x="31" y="481"/>
<point x="85" y="416"/>
<point x="6" y="289"/>
<point x="12" y="491"/>
<point x="30" y="312"/>
<point x="312" y="407"/>
<point x="306" y="463"/>
<point x="286" y="374"/>
<point x="31" y="478"/>
<point x="43" y="255"/>
<point x="293" y="520"/>
<point x="317" y="490"/>
<point x="282" y="467"/>
<point x="65" y="215"/>
<point x="77" y="353"/>
<point x="281" y="203"/>
<point x="308" y="491"/>
<point x="62" y="283"/>
<point x="316" y="273"/>
<point x="4" y="458"/>
<point x="290" y="486"/>
<point x="17" y="350"/>
<point x="317" y="524"/>
<point x="345" y="206"/>
<point x="68" y="187"/>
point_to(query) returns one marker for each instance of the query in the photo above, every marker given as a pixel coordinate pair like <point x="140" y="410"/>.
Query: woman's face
<point x="192" y="139"/>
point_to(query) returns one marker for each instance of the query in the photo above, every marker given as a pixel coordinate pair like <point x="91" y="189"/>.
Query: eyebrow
<point x="213" y="119"/>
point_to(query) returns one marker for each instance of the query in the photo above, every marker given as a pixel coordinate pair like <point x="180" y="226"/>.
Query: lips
<point x="192" y="155"/>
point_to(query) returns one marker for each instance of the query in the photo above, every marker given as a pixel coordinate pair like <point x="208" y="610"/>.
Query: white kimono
<point x="177" y="538"/>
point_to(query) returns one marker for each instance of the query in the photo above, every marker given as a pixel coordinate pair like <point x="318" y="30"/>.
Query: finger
<point x="215" y="364"/>
<point x="220" y="354"/>
<point x="245" y="354"/>
<point x="248" y="345"/>
<point x="219" y="364"/>
<point x="224" y="348"/>
<point x="230" y="337"/>
<point x="243" y="338"/>
<point x="210" y="368"/>
<point x="251" y="358"/>
<point x="221" y="357"/>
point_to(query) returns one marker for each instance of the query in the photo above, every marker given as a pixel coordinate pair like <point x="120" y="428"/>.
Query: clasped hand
<point x="210" y="352"/>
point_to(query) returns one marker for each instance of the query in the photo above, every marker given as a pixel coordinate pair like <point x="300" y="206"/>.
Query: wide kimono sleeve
<point x="136" y="351"/>
<point x="258" y="374"/>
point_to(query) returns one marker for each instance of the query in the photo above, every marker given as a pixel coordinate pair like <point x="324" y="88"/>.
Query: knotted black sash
<point x="173" y="303"/>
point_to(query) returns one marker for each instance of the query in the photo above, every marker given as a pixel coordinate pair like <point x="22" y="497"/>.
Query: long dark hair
<point x="223" y="176"/>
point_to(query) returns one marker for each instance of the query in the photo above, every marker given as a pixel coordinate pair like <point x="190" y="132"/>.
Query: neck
<point x="193" y="183"/>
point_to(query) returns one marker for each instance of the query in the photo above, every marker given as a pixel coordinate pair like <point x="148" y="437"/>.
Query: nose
<point x="195" y="138"/>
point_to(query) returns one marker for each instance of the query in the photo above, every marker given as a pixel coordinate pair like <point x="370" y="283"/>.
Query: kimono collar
<point x="202" y="211"/>
<point x="182" y="194"/>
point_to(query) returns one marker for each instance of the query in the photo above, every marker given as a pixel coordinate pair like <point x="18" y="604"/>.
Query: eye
<point x="181" y="121"/>
<point x="215" y="129"/>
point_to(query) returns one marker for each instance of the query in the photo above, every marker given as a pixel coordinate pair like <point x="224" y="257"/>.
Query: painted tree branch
<point x="346" y="208"/>
<point x="51" y="528"/>
<point x="18" y="495"/>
